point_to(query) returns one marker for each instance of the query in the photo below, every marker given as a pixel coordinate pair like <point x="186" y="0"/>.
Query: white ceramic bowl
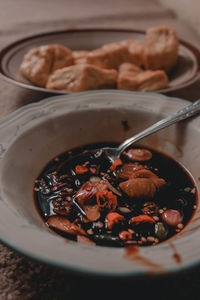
<point x="36" y="133"/>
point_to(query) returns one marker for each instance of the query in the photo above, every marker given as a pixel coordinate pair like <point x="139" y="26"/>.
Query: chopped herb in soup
<point x="143" y="198"/>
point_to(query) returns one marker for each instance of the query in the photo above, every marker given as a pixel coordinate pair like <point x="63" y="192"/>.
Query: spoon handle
<point x="182" y="114"/>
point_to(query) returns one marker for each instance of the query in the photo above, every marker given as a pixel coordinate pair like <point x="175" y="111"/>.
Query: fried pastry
<point x="62" y="57"/>
<point x="81" y="78"/>
<point x="79" y="56"/>
<point x="36" y="65"/>
<point x="129" y="57"/>
<point x="127" y="68"/>
<point x="161" y="49"/>
<point x="134" y="47"/>
<point x="110" y="56"/>
<point x="116" y="44"/>
<point x="135" y="79"/>
<point x="136" y="50"/>
<point x="39" y="62"/>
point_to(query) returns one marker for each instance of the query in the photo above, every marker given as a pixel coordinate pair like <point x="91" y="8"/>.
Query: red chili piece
<point x="113" y="218"/>
<point x="81" y="169"/>
<point x="116" y="163"/>
<point x="125" y="235"/>
<point x="106" y="199"/>
<point x="142" y="219"/>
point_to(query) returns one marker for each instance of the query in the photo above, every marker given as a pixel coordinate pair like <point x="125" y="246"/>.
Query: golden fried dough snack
<point x="39" y="62"/>
<point x="36" y="65"/>
<point x="161" y="48"/>
<point x="62" y="57"/>
<point x="129" y="69"/>
<point x="141" y="66"/>
<point x="110" y="56"/>
<point x="82" y="77"/>
<point x="79" y="56"/>
<point x="136" y="50"/>
<point x="135" y="79"/>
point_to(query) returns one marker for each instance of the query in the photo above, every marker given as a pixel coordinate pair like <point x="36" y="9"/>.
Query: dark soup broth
<point x="143" y="198"/>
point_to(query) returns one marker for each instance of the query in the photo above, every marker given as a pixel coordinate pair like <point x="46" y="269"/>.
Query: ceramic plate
<point x="186" y="72"/>
<point x="33" y="135"/>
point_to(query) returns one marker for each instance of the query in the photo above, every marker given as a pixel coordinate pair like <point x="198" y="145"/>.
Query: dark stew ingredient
<point x="143" y="198"/>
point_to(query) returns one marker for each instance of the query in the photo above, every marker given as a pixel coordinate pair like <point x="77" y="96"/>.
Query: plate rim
<point x="195" y="51"/>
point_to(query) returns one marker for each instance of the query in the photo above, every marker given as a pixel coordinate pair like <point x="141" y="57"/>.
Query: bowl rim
<point x="54" y="97"/>
<point x="82" y="270"/>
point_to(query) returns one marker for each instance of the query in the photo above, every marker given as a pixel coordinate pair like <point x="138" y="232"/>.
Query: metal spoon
<point x="180" y="115"/>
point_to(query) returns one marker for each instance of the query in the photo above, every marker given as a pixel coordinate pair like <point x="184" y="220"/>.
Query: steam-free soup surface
<point x="143" y="198"/>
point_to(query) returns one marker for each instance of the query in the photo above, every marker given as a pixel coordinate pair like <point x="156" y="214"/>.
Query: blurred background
<point x="21" y="277"/>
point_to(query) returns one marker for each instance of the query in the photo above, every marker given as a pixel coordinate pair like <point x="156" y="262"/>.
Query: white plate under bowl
<point x="31" y="136"/>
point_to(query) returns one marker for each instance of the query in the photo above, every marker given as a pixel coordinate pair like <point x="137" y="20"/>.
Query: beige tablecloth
<point x="20" y="277"/>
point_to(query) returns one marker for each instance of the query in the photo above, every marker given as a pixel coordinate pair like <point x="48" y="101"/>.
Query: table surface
<point x="21" y="277"/>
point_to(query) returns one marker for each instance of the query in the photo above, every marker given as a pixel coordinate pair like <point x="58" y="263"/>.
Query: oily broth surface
<point x="178" y="194"/>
